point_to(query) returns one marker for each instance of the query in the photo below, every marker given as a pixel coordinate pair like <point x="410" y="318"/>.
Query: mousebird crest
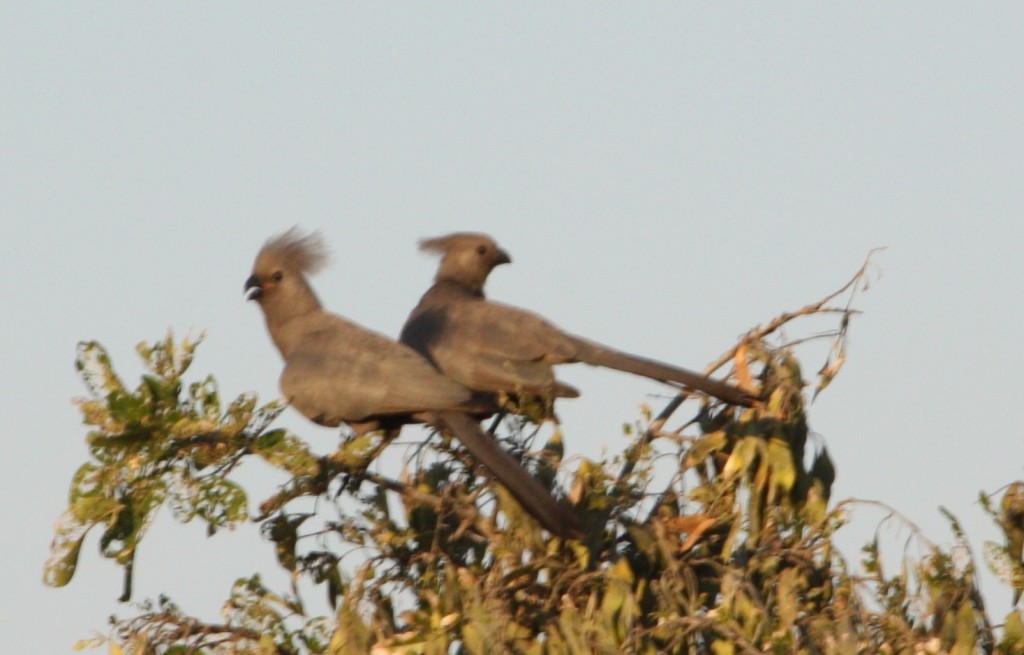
<point x="467" y="258"/>
<point x="293" y="251"/>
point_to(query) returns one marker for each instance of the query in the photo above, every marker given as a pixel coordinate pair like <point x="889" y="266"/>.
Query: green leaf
<point x="705" y="446"/>
<point x="92" y="509"/>
<point x="1013" y="633"/>
<point x="283" y="531"/>
<point x="780" y="461"/>
<point x="284" y="451"/>
<point x="720" y="647"/>
<point x="64" y="551"/>
<point x="966" y="631"/>
<point x="218" y="501"/>
<point x="743" y="456"/>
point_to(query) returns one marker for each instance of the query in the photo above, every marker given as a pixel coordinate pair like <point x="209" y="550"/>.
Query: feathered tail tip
<point x="293" y="250"/>
<point x="441" y="245"/>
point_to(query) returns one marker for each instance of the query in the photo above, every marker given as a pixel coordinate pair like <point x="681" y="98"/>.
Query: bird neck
<point x="462" y="269"/>
<point x="290" y="315"/>
<point x="461" y="283"/>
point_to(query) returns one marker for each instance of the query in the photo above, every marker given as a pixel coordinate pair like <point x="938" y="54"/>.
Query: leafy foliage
<point x="161" y="444"/>
<point x="714" y="537"/>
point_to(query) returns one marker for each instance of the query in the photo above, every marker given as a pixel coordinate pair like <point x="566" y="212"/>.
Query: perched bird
<point x="491" y="347"/>
<point x="338" y="372"/>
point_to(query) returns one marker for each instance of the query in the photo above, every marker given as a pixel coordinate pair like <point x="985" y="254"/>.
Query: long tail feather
<point x="598" y="355"/>
<point x="555" y="517"/>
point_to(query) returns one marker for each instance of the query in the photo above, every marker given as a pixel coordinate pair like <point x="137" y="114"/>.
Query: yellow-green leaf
<point x="719" y="647"/>
<point x="742" y="456"/>
<point x="780" y="460"/>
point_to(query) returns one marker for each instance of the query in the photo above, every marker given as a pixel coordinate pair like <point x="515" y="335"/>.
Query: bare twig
<point x="754" y="335"/>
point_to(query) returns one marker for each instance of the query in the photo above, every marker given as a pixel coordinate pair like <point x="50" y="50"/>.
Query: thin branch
<point x="755" y="334"/>
<point x="168" y="628"/>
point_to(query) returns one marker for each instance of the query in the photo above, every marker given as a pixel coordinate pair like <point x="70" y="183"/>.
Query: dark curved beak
<point x="502" y="257"/>
<point x="253" y="287"/>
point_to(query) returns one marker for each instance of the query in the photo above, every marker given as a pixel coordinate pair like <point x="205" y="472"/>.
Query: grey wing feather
<point x="489" y="346"/>
<point x="347" y="373"/>
<point x="515" y="334"/>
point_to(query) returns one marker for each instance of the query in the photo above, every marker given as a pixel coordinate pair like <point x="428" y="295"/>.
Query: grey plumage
<point x="493" y="347"/>
<point x="338" y="372"/>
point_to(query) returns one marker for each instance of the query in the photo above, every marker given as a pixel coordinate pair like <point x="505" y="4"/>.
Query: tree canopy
<point x="714" y="534"/>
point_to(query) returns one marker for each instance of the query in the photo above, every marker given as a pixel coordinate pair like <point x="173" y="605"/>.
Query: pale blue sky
<point x="665" y="176"/>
